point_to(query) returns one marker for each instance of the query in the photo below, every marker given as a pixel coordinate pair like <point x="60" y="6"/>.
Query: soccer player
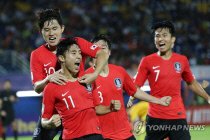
<point x="43" y="62"/>
<point x="109" y="86"/>
<point x="164" y="71"/>
<point x="8" y="97"/>
<point x="73" y="101"/>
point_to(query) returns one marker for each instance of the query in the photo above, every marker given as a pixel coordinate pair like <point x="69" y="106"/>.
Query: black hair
<point x="164" y="24"/>
<point x="102" y="37"/>
<point x="48" y="15"/>
<point x="64" y="45"/>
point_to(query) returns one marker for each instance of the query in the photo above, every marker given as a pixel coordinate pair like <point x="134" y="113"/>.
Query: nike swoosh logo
<point x="98" y="87"/>
<point x="64" y="93"/>
<point x="155" y="67"/>
<point x="45" y="65"/>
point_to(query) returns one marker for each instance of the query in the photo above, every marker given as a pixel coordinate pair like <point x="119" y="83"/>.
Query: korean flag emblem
<point x="118" y="82"/>
<point x="178" y="67"/>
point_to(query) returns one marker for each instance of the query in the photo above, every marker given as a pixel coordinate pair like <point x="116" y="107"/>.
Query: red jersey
<point x="164" y="78"/>
<point x="114" y="125"/>
<point x="43" y="62"/>
<point x="74" y="103"/>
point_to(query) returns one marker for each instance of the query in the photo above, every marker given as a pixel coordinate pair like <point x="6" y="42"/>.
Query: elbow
<point x="37" y="90"/>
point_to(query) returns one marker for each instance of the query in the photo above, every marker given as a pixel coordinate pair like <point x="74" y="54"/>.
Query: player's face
<point x="52" y="32"/>
<point x="163" y="40"/>
<point x="73" y="58"/>
<point x="103" y="45"/>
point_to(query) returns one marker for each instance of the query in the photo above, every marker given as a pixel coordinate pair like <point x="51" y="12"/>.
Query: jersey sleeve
<point x="142" y="73"/>
<point x="187" y="73"/>
<point x="48" y="102"/>
<point x="128" y="84"/>
<point x="36" y="68"/>
<point x="87" y="47"/>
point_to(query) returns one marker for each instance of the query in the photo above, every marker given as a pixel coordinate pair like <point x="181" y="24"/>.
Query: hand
<point x="165" y="101"/>
<point x="88" y="78"/>
<point x="57" y="78"/>
<point x="115" y="105"/>
<point x="55" y="120"/>
<point x="204" y="84"/>
<point x="130" y="102"/>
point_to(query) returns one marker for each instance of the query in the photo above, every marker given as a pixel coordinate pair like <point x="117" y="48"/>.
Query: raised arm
<point x="196" y="87"/>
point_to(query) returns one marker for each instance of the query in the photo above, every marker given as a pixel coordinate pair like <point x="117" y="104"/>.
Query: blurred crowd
<point x="127" y="22"/>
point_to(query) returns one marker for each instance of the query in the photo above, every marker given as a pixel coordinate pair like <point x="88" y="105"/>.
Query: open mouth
<point x="162" y="45"/>
<point x="52" y="38"/>
<point x="77" y="64"/>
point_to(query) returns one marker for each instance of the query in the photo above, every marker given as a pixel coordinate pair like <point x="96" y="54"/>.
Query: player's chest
<point x="165" y="68"/>
<point x="75" y="91"/>
<point x="111" y="84"/>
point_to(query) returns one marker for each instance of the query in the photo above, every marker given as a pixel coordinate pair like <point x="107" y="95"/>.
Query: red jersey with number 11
<point x="74" y="103"/>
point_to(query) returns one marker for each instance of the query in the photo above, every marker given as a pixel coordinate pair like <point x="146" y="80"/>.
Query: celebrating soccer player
<point x="164" y="71"/>
<point x="43" y="62"/>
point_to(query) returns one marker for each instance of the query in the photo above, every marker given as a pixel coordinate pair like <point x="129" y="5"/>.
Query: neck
<point x="165" y="55"/>
<point x="69" y="76"/>
<point x="51" y="48"/>
<point x="105" y="71"/>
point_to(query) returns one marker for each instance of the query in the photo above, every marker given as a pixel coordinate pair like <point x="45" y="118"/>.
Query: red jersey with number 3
<point x="74" y="103"/>
<point x="164" y="78"/>
<point x="114" y="125"/>
<point x="44" y="62"/>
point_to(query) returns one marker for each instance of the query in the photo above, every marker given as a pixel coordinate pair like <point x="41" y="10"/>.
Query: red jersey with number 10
<point x="44" y="62"/>
<point x="164" y="78"/>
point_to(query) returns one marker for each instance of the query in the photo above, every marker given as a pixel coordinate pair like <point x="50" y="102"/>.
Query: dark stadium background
<point x="127" y="22"/>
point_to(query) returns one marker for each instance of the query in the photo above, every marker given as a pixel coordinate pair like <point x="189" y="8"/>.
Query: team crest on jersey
<point x="117" y="82"/>
<point x="178" y="67"/>
<point x="93" y="47"/>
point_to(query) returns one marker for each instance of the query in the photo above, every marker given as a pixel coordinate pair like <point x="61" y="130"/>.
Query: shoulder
<point x="116" y="68"/>
<point x="180" y="56"/>
<point x="151" y="56"/>
<point x="38" y="50"/>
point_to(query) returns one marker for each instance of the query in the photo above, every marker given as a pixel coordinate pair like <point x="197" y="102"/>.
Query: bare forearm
<point x="39" y="86"/>
<point x="146" y="97"/>
<point x="197" y="89"/>
<point x="101" y="61"/>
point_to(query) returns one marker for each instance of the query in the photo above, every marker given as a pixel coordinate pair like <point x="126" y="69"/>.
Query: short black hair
<point x="164" y="24"/>
<point x="48" y="15"/>
<point x="102" y="37"/>
<point x="64" y="45"/>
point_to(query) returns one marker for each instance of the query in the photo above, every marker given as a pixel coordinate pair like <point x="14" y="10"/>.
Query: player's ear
<point x="173" y="39"/>
<point x="62" y="28"/>
<point x="61" y="58"/>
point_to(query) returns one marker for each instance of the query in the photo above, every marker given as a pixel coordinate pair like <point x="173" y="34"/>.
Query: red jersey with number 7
<point x="165" y="78"/>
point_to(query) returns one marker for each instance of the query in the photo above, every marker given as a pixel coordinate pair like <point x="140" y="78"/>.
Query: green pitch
<point x="195" y="135"/>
